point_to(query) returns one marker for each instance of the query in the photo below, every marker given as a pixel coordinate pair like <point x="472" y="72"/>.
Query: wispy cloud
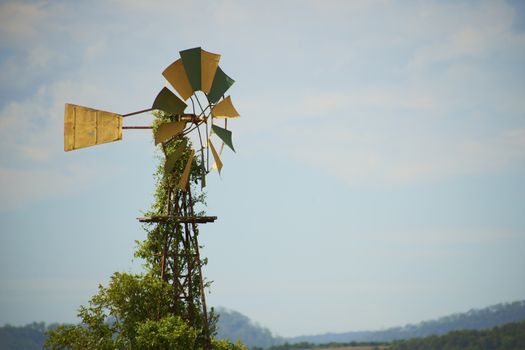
<point x="471" y="33"/>
<point x="21" y="187"/>
<point x="367" y="105"/>
<point x="20" y="22"/>
<point x="451" y="108"/>
<point x="33" y="165"/>
<point x="384" y="158"/>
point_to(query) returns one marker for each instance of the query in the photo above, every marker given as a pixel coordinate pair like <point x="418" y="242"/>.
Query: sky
<point x="379" y="171"/>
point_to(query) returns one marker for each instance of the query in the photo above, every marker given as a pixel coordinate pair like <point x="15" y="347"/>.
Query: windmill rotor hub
<point x="193" y="118"/>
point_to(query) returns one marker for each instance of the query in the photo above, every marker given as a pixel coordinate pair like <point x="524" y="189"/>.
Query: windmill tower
<point x="174" y="249"/>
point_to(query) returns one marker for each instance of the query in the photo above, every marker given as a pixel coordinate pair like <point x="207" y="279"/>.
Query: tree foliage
<point x="124" y="316"/>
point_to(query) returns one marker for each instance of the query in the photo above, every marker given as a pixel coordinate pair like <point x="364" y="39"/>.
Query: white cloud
<point x="48" y="285"/>
<point x="407" y="127"/>
<point x="33" y="165"/>
<point x="20" y="22"/>
<point x="452" y="109"/>
<point x="439" y="238"/>
<point x="465" y="31"/>
<point x="25" y="186"/>
<point x="390" y="136"/>
<point x="400" y="157"/>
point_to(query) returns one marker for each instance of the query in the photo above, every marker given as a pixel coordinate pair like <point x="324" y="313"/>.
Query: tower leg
<point x="181" y="265"/>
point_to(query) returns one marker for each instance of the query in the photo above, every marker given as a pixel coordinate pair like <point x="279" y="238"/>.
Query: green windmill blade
<point x="200" y="67"/>
<point x="204" y="74"/>
<point x="224" y="134"/>
<point x="168" y="102"/>
<point x="191" y="59"/>
<point x="221" y="84"/>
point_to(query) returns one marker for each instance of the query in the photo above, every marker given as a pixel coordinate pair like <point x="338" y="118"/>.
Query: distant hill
<point x="29" y="337"/>
<point x="234" y="325"/>
<point x="508" y="337"/>
<point x="486" y="318"/>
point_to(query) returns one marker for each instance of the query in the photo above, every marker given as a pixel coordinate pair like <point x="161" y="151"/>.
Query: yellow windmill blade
<point x="186" y="173"/>
<point x="225" y="109"/>
<point x="85" y="127"/>
<point x="200" y="67"/>
<point x="209" y="65"/>
<point x="194" y="71"/>
<point x="176" y="75"/>
<point x="175" y="155"/>
<point x="168" y="130"/>
<point x="215" y="166"/>
<point x="218" y="163"/>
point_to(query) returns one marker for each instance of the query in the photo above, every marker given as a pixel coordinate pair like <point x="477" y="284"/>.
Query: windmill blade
<point x="218" y="162"/>
<point x="85" y="127"/>
<point x="176" y="75"/>
<point x="168" y="102"/>
<point x="209" y="65"/>
<point x="200" y="67"/>
<point x="191" y="59"/>
<point x="214" y="166"/>
<point x="169" y="165"/>
<point x="197" y="70"/>
<point x="224" y="135"/>
<point x="183" y="182"/>
<point x="225" y="109"/>
<point x="221" y="83"/>
<point x="168" y="130"/>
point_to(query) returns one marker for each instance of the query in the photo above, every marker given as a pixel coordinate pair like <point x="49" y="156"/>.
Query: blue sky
<point x="380" y="161"/>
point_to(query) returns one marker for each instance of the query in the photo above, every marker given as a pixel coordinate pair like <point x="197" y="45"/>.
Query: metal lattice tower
<point x="179" y="261"/>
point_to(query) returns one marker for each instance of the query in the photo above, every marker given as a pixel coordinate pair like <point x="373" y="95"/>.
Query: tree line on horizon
<point x="507" y="337"/>
<point x="233" y="325"/>
<point x="484" y="318"/>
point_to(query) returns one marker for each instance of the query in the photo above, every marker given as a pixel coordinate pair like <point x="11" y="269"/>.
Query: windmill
<point x="175" y="227"/>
